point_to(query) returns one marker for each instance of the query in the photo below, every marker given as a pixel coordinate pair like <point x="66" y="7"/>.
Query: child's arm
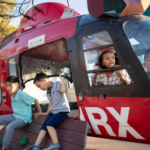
<point x="95" y="75"/>
<point x="125" y="76"/>
<point x="63" y="88"/>
<point x="38" y="108"/>
<point x="45" y="114"/>
<point x="122" y="76"/>
<point x="94" y="79"/>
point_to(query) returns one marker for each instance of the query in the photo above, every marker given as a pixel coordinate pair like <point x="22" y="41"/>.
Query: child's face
<point x="42" y="85"/>
<point x="109" y="60"/>
<point x="12" y="88"/>
<point x="147" y="62"/>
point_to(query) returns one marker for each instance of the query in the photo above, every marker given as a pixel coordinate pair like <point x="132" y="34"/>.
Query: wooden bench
<point x="71" y="134"/>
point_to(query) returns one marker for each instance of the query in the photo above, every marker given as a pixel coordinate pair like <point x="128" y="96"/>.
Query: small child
<point x="108" y="59"/>
<point x="146" y="63"/>
<point x="57" y="111"/>
<point x="21" y="105"/>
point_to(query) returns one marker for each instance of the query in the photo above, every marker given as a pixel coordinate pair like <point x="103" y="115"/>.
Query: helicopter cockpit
<point x="137" y="32"/>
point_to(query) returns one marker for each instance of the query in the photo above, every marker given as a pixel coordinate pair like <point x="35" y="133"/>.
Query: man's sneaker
<point x="52" y="146"/>
<point x="4" y="149"/>
<point x="33" y="147"/>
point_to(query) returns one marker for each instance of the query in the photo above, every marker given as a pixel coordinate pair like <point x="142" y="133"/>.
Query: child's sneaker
<point x="33" y="147"/>
<point x="52" y="146"/>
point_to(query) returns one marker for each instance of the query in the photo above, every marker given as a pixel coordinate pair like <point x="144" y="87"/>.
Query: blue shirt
<point x="21" y="105"/>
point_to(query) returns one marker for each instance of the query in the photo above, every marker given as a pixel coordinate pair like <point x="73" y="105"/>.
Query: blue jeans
<point x="12" y="123"/>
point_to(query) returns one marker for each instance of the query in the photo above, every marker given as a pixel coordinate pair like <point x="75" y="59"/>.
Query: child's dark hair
<point x="40" y="76"/>
<point x="12" y="79"/>
<point x="100" y="59"/>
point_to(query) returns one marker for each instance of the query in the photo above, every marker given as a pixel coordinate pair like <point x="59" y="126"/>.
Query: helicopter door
<point x="108" y="102"/>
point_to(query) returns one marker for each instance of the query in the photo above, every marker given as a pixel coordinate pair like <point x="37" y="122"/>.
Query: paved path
<point x="105" y="144"/>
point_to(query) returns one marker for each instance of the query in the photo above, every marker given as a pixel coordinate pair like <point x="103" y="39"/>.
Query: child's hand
<point x="96" y="68"/>
<point x="44" y="114"/>
<point x="119" y="72"/>
<point x="122" y="73"/>
<point x="116" y="65"/>
<point x="37" y="115"/>
<point x="61" y="78"/>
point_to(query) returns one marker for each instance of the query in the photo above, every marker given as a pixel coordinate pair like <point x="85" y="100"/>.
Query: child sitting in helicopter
<point x="108" y="59"/>
<point x="146" y="63"/>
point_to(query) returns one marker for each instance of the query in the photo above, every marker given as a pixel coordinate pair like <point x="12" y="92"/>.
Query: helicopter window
<point x="96" y="40"/>
<point x="115" y="75"/>
<point x="12" y="67"/>
<point x="137" y="31"/>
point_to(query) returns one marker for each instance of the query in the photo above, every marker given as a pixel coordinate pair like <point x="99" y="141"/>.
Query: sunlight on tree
<point x="7" y="8"/>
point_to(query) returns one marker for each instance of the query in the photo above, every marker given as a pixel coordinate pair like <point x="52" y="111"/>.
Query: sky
<point x="78" y="5"/>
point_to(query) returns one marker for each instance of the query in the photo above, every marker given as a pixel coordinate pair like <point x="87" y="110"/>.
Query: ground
<point x="106" y="144"/>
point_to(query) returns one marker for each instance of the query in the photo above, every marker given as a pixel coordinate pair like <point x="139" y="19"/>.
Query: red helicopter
<point x="55" y="39"/>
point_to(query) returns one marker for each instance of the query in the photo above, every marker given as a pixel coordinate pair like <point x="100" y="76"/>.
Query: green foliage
<point x="6" y="11"/>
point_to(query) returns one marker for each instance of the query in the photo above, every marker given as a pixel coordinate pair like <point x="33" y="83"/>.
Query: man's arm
<point x="47" y="110"/>
<point x="38" y="108"/>
<point x="63" y="88"/>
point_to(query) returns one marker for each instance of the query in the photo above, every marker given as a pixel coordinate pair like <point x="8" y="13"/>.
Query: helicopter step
<point x="71" y="134"/>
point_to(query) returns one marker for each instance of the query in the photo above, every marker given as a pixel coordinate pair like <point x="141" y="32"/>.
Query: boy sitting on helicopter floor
<point x="57" y="111"/>
<point x="146" y="63"/>
<point x="21" y="105"/>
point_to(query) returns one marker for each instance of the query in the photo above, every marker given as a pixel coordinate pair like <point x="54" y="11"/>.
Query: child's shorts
<point x="54" y="119"/>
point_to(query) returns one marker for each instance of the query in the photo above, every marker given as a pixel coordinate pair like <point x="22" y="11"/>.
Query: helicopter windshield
<point x="138" y="33"/>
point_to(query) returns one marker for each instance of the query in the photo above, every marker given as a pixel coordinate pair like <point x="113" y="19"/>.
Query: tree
<point x="7" y="10"/>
